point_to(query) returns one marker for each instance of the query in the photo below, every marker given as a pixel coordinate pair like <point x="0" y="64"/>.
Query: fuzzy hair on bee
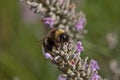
<point x="53" y="39"/>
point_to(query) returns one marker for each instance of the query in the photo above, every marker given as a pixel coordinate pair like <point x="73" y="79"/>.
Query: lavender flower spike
<point x="49" y="21"/>
<point x="94" y="65"/>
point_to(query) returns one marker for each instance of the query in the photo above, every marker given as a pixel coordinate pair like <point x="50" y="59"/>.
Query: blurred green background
<point x="21" y="56"/>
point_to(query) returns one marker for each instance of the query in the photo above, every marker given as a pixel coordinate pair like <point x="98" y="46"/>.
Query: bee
<point x="53" y="39"/>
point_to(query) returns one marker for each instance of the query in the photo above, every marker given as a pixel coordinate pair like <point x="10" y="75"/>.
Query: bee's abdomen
<point x="48" y="45"/>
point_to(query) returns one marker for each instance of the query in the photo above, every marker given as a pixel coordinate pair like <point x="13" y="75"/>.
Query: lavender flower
<point x="81" y="22"/>
<point x="27" y="15"/>
<point x="95" y="76"/>
<point x="61" y="78"/>
<point x="48" y="56"/>
<point x="49" y="21"/>
<point x="94" y="65"/>
<point x="79" y="47"/>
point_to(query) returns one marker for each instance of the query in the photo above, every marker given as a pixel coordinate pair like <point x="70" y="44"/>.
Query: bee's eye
<point x="64" y="37"/>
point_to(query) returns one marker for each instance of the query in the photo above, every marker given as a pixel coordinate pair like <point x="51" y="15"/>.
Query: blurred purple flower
<point x="79" y="47"/>
<point x="49" y="21"/>
<point x="80" y="24"/>
<point x="95" y="77"/>
<point x="94" y="65"/>
<point x="47" y="56"/>
<point x="27" y="15"/>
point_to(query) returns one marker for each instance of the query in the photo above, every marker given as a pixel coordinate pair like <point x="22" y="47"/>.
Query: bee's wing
<point x="43" y="50"/>
<point x="41" y="43"/>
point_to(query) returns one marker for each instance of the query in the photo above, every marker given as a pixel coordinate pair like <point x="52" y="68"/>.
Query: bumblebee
<point x="53" y="39"/>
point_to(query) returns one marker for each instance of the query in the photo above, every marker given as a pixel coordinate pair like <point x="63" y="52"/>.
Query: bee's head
<point x="59" y="35"/>
<point x="64" y="37"/>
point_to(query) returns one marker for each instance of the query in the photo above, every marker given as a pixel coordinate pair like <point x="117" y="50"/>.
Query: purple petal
<point x="95" y="77"/>
<point x="47" y="56"/>
<point x="79" y="47"/>
<point x="49" y="21"/>
<point x="81" y="22"/>
<point x="79" y="27"/>
<point x="61" y="78"/>
<point x="94" y="65"/>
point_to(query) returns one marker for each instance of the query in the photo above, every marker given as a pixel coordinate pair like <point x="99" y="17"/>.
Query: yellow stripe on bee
<point x="58" y="32"/>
